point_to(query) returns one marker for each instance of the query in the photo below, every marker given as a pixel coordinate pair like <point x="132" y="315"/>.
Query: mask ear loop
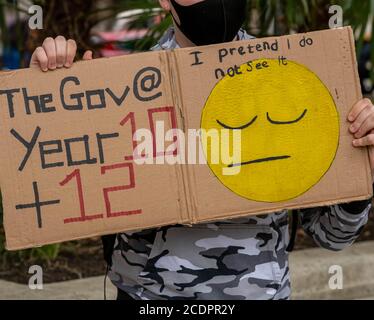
<point x="172" y="16"/>
<point x="224" y="18"/>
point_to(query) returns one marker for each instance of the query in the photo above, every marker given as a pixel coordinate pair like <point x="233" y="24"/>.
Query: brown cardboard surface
<point x="332" y="58"/>
<point x="109" y="192"/>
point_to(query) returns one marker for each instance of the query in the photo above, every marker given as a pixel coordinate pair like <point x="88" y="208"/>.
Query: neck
<point x="181" y="39"/>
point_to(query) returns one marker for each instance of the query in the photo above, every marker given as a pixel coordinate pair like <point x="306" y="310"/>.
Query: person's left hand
<point x="361" y="118"/>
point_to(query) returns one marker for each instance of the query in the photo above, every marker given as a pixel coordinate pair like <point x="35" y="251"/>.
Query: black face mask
<point x="211" y="21"/>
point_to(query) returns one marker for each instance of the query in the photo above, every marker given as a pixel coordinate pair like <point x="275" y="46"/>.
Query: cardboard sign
<point x="71" y="157"/>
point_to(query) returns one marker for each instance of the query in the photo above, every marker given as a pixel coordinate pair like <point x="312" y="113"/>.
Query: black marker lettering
<point x="100" y="138"/>
<point x="222" y="53"/>
<point x="147" y="80"/>
<point x="92" y="93"/>
<point x="37" y="204"/>
<point x="43" y="152"/>
<point x="118" y="100"/>
<point x="9" y="95"/>
<point x="29" y="145"/>
<point x="44" y="99"/>
<point x="77" y="96"/>
<point x="27" y="99"/>
<point x="219" y="73"/>
<point x="87" y="160"/>
<point x="197" y="58"/>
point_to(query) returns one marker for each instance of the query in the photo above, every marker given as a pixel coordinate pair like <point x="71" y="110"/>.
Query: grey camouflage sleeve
<point x="336" y="227"/>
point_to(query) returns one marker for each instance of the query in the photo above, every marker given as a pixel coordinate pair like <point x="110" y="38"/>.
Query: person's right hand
<point x="56" y="53"/>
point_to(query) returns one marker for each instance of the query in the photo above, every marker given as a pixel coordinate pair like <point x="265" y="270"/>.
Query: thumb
<point x="87" y="55"/>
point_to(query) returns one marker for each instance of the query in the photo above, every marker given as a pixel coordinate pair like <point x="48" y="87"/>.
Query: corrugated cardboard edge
<point x="238" y="214"/>
<point x="241" y="214"/>
<point x="93" y="235"/>
<point x="369" y="178"/>
<point x="6" y="75"/>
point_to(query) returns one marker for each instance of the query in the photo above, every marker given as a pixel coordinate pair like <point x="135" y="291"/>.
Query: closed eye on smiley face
<point x="245" y="126"/>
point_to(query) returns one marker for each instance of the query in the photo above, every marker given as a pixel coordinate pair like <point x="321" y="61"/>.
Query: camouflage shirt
<point x="243" y="258"/>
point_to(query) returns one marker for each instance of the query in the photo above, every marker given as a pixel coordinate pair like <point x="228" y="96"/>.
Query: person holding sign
<point x="244" y="258"/>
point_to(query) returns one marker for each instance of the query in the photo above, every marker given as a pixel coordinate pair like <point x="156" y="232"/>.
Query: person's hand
<point x="361" y="118"/>
<point x="56" y="53"/>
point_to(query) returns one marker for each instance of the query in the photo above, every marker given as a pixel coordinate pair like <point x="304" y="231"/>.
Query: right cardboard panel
<point x="289" y="97"/>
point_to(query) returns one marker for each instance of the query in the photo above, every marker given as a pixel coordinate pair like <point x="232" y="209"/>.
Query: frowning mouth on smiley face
<point x="289" y="130"/>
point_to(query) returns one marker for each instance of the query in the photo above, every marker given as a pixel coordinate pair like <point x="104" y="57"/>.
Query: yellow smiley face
<point x="289" y="129"/>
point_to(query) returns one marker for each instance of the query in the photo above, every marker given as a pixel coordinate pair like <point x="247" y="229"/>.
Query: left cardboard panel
<point x="67" y="171"/>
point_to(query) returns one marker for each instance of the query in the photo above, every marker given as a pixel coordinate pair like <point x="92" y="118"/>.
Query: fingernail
<point x="353" y="128"/>
<point x="350" y="118"/>
<point x="355" y="142"/>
